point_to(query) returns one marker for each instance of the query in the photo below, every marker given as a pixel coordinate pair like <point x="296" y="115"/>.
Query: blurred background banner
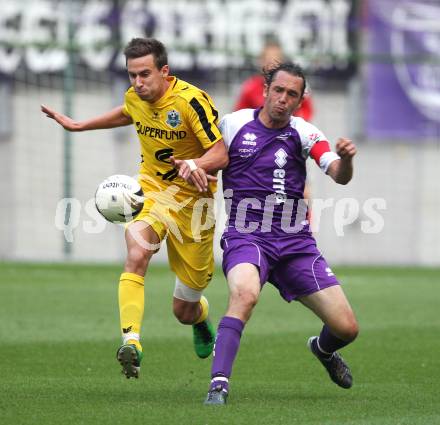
<point x="403" y="73"/>
<point x="201" y="35"/>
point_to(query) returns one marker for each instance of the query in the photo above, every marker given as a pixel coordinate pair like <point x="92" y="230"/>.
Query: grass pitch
<point x="59" y="335"/>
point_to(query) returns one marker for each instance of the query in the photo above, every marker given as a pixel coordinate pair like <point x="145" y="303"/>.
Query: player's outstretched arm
<point x="341" y="170"/>
<point x="111" y="119"/>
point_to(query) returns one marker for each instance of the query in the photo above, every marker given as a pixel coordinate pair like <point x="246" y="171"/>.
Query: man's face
<point x="283" y="96"/>
<point x="148" y="81"/>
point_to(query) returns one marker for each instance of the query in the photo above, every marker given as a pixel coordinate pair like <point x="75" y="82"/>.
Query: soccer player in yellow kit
<point x="174" y="121"/>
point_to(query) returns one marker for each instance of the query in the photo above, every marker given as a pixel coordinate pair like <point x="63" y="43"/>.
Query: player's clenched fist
<point x="345" y="148"/>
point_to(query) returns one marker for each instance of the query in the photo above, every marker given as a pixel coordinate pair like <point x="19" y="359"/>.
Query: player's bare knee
<point x="246" y="300"/>
<point x="354" y="331"/>
<point x="349" y="330"/>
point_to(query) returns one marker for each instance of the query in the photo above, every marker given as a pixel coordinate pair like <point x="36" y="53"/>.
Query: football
<point x="119" y="198"/>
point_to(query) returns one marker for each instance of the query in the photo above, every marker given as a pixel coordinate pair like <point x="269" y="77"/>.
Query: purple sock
<point x="226" y="346"/>
<point x="328" y="343"/>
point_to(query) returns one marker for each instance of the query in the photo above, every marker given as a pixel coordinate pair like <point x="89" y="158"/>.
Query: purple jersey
<point x="264" y="182"/>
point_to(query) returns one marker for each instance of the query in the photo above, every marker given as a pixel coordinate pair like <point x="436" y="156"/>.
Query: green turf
<point x="59" y="334"/>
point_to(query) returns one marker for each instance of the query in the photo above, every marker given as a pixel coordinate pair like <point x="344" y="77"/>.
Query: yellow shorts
<point x="189" y="233"/>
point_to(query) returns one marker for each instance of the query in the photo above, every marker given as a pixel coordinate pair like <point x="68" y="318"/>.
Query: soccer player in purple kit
<point x="263" y="188"/>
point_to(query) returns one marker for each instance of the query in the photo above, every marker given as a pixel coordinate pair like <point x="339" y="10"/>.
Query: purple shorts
<point x="293" y="265"/>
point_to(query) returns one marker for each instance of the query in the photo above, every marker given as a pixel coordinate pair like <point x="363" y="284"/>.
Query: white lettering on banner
<point x="207" y="34"/>
<point x="99" y="55"/>
<point x="44" y="23"/>
<point x="316" y="28"/>
<point x="10" y="56"/>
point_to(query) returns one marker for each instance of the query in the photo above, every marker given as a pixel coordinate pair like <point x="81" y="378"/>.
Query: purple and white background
<point x="403" y="70"/>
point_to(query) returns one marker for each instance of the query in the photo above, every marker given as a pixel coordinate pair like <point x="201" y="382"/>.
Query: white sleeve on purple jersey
<point x="309" y="136"/>
<point x="231" y="124"/>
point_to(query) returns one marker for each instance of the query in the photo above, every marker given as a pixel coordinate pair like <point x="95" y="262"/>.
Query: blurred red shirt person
<point x="251" y="93"/>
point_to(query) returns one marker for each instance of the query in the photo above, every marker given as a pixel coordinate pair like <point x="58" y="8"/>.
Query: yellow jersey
<point x="183" y="124"/>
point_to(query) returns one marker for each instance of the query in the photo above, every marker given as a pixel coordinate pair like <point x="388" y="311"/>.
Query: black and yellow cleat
<point x="129" y="357"/>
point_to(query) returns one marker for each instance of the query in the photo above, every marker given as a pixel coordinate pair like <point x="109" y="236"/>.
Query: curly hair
<point x="289" y="67"/>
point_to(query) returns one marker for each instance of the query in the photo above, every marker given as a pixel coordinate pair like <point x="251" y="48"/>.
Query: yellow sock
<point x="131" y="307"/>
<point x="204" y="310"/>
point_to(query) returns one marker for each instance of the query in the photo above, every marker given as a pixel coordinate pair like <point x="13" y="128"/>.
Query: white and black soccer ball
<point x="119" y="198"/>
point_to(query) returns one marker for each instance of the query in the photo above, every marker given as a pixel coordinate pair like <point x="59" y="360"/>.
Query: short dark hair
<point x="289" y="67"/>
<point x="139" y="47"/>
